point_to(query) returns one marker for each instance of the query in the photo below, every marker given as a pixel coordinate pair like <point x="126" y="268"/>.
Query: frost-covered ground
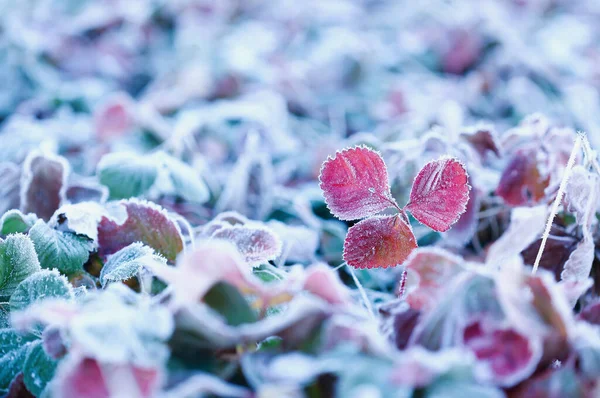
<point x="181" y="184"/>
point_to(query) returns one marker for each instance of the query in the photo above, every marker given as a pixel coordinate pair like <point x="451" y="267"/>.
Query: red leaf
<point x="145" y="222"/>
<point x="439" y="193"/>
<point x="355" y="184"/>
<point x="507" y="355"/>
<point x="522" y="182"/>
<point x="379" y="242"/>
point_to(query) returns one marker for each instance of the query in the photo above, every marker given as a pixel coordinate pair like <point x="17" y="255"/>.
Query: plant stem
<point x="362" y="291"/>
<point x="558" y="199"/>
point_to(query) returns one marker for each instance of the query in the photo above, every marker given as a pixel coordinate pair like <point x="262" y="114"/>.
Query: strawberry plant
<point x="251" y="199"/>
<point x="355" y="185"/>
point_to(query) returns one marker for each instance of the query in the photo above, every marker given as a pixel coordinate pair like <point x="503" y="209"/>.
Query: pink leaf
<point x="379" y="242"/>
<point x="507" y="356"/>
<point x="440" y="193"/>
<point x="85" y="377"/>
<point x="322" y="281"/>
<point x="355" y="184"/>
<point x="257" y="244"/>
<point x="114" y="117"/>
<point x="43" y="184"/>
<point x="429" y="270"/>
<point x="144" y="222"/>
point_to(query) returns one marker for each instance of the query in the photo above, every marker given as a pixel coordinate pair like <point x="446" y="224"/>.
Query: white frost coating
<point x="82" y="218"/>
<point x="236" y="195"/>
<point x="257" y="243"/>
<point x="583" y="192"/>
<point x="300" y="242"/>
<point x="559" y="196"/>
<point x="526" y="224"/>
<point x="128" y="262"/>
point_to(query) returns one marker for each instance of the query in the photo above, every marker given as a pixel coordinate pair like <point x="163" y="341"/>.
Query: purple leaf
<point x="379" y="242"/>
<point x="439" y="193"/>
<point x="144" y="222"/>
<point x="43" y="184"/>
<point x="355" y="184"/>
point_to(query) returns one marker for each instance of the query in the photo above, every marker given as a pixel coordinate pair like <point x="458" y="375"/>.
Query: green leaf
<point x="4" y="315"/>
<point x="41" y="285"/>
<point x="126" y="174"/>
<point x="229" y="302"/>
<point x="13" y="221"/>
<point x="57" y="249"/>
<point x="17" y="261"/>
<point x="38" y="369"/>
<point x="13" y="350"/>
<point x="128" y="262"/>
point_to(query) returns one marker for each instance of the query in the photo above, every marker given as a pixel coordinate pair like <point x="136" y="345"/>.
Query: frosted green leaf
<point x="4" y="315"/>
<point x="38" y="369"/>
<point x="57" y="249"/>
<point x="40" y="286"/>
<point x="128" y="262"/>
<point x="14" y="221"/>
<point x="186" y="181"/>
<point x="13" y="349"/>
<point x="126" y="174"/>
<point x="17" y="261"/>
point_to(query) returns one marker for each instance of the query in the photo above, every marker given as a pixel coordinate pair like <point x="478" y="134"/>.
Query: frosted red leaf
<point x="379" y="242"/>
<point x="440" y="193"/>
<point x="522" y="182"/>
<point x="145" y="222"/>
<point x="355" y="184"/>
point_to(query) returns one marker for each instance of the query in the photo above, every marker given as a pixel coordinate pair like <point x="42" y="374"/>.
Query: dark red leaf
<point x="439" y="193"/>
<point x="355" y="184"/>
<point x="379" y="242"/>
<point x="43" y="184"/>
<point x="591" y="313"/>
<point x="146" y="223"/>
<point x="522" y="182"/>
